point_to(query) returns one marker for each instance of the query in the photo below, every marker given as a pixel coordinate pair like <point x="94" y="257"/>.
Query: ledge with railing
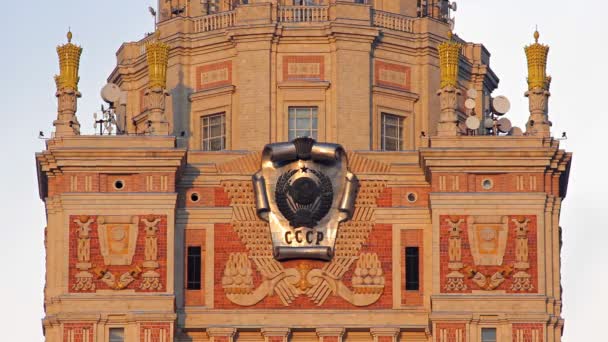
<point x="301" y="14"/>
<point x="393" y="21"/>
<point x="214" y="21"/>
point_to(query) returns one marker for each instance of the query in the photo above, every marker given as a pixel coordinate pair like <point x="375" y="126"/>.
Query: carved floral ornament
<point x="117" y="237"/>
<point x="487" y="236"/>
<point x="304" y="192"/>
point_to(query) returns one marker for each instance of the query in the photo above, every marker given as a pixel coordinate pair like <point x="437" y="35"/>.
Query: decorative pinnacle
<point x="69" y="62"/>
<point x="537" y="64"/>
<point x="449" y="58"/>
<point x="69" y="35"/>
<point x="157" y="54"/>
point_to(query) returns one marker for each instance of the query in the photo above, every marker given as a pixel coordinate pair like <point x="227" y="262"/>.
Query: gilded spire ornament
<point x="538" y="89"/>
<point x="449" y="57"/>
<point x="537" y="64"/>
<point x="157" y="54"/>
<point x="69" y="62"/>
<point x="67" y="89"/>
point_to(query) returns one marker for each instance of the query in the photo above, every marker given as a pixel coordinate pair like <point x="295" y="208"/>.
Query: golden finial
<point x="537" y="63"/>
<point x="69" y="62"/>
<point x="449" y="58"/>
<point x="157" y="54"/>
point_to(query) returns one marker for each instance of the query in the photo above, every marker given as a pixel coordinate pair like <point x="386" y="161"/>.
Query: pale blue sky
<point x="577" y="61"/>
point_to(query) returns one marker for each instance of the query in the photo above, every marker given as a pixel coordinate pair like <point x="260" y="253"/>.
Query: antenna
<point x="111" y="93"/>
<point x="153" y="13"/>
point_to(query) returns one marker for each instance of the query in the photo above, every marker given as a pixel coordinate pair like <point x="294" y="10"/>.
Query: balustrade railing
<point x="214" y="21"/>
<point x="301" y="14"/>
<point x="393" y="21"/>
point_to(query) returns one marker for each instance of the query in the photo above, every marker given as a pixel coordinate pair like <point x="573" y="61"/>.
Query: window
<point x="214" y="132"/>
<point x="302" y="122"/>
<point x="117" y="334"/>
<point x="488" y="334"/>
<point x="193" y="281"/>
<point x="392" y="133"/>
<point x="412" y="275"/>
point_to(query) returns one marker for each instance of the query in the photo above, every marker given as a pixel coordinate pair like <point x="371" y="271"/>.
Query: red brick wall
<point x="155" y="330"/>
<point x="398" y="197"/>
<point x="509" y="257"/>
<point x="78" y="330"/>
<point x="526" y="329"/>
<point x="451" y="329"/>
<point x="227" y="241"/>
<point x="195" y="237"/>
<point x="412" y="238"/>
<point x="207" y="197"/>
<point x="138" y="258"/>
<point x="96" y="182"/>
<point x="507" y="182"/>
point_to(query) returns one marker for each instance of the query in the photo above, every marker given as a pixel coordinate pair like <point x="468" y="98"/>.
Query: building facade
<point x="396" y="218"/>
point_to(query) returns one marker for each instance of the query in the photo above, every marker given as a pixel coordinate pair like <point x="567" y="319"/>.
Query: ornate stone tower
<point x="301" y="171"/>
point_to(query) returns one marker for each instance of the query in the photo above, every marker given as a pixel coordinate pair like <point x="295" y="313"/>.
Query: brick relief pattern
<point x="512" y="182"/>
<point x="245" y="243"/>
<point x="298" y="68"/>
<point x="393" y="75"/>
<point x="398" y="197"/>
<point x="77" y="332"/>
<point x="527" y="332"/>
<point x="214" y="75"/>
<point x="206" y="197"/>
<point x="155" y="332"/>
<point x="451" y="332"/>
<point x="95" y="182"/>
<point x="459" y="272"/>
<point x="142" y="273"/>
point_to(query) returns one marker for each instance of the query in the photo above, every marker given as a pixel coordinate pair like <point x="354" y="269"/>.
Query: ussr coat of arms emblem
<point x="304" y="190"/>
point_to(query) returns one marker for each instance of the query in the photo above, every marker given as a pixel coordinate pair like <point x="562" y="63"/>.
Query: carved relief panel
<point x="488" y="253"/>
<point x="117" y="252"/>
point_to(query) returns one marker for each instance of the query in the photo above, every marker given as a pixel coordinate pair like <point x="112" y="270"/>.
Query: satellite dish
<point x="516" y="131"/>
<point x="500" y="105"/>
<point x="504" y="125"/>
<point x="452" y="23"/>
<point x="472" y="122"/>
<point x="110" y="93"/>
<point x="488" y="123"/>
<point x="469" y="104"/>
<point x="454" y="6"/>
<point x="472" y="93"/>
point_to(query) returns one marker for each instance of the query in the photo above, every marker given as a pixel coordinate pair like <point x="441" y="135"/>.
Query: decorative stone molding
<point x="384" y="334"/>
<point x="330" y="334"/>
<point x="448" y="119"/>
<point x="538" y="124"/>
<point x="488" y="239"/>
<point x="275" y="334"/>
<point x="117" y="238"/>
<point x="221" y="334"/>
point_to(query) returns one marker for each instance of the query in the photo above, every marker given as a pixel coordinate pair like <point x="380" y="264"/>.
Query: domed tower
<point x="307" y="171"/>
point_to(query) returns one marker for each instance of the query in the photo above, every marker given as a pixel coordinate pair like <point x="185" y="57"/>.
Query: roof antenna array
<point x="494" y="124"/>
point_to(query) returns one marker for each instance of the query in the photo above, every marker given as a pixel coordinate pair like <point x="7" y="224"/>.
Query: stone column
<point x="330" y="334"/>
<point x="67" y="89"/>
<point x="449" y="59"/>
<point x="221" y="334"/>
<point x="538" y="89"/>
<point x="278" y="334"/>
<point x="385" y="334"/>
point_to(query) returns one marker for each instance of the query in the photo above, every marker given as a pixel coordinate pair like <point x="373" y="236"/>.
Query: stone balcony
<point x="248" y="16"/>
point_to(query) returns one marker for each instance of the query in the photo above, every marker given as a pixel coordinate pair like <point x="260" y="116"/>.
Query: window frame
<point x="314" y="116"/>
<point x="400" y="131"/>
<point x="407" y="281"/>
<point x="124" y="332"/>
<point x="205" y="143"/>
<point x="488" y="328"/>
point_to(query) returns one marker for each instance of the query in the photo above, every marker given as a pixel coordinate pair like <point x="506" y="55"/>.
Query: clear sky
<point x="575" y="30"/>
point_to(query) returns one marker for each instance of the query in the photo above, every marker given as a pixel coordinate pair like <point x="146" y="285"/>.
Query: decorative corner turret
<point x="67" y="89"/>
<point x="538" y="88"/>
<point x="157" y="54"/>
<point x="449" y="58"/>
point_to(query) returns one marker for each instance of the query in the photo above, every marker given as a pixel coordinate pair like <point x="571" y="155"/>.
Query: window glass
<point x="193" y="281"/>
<point x="117" y="334"/>
<point x="392" y="133"/>
<point x="213" y="132"/>
<point x="488" y="334"/>
<point x="412" y="271"/>
<point x="303" y="122"/>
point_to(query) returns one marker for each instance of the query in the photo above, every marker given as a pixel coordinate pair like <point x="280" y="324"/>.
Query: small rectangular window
<point x="488" y="334"/>
<point x="213" y="132"/>
<point x="193" y="282"/>
<point x="303" y="122"/>
<point x="117" y="335"/>
<point x="392" y="132"/>
<point x="412" y="275"/>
